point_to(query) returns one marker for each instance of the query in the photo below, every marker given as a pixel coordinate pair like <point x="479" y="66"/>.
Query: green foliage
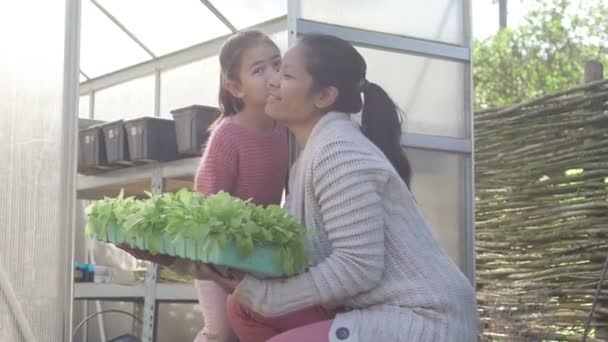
<point x="217" y="219"/>
<point x="544" y="55"/>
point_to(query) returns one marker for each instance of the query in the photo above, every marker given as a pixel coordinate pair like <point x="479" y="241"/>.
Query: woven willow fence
<point x="542" y="215"/>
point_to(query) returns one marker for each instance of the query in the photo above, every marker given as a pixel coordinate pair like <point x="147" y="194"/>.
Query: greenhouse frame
<point x="75" y="62"/>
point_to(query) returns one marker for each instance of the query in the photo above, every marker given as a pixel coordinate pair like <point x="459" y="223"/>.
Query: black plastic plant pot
<point x="151" y="139"/>
<point x="92" y="151"/>
<point x="192" y="127"/>
<point x="117" y="147"/>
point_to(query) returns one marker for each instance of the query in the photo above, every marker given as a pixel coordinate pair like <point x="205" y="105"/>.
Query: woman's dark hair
<point x="231" y="55"/>
<point x="334" y="62"/>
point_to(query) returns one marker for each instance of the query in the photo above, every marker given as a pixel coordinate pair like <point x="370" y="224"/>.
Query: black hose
<point x="102" y="312"/>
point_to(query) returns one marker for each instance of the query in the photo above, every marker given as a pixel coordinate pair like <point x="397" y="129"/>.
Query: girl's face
<point x="258" y="65"/>
<point x="291" y="99"/>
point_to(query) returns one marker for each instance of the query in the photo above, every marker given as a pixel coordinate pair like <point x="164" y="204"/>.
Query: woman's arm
<point x="346" y="184"/>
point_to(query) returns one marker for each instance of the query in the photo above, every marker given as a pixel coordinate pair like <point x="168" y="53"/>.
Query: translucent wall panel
<point x="33" y="240"/>
<point x="165" y="26"/>
<point x="131" y="99"/>
<point x="178" y="322"/>
<point x="194" y="83"/>
<point x="439" y="187"/>
<point x="104" y="47"/>
<point x="198" y="82"/>
<point x="246" y="13"/>
<point x="439" y="20"/>
<point x="428" y="90"/>
<point x="83" y="106"/>
<point x="281" y="39"/>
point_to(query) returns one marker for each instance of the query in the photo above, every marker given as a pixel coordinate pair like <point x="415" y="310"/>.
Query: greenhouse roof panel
<point x="247" y="13"/>
<point x="117" y="34"/>
<point x="165" y="26"/>
<point x="104" y="47"/>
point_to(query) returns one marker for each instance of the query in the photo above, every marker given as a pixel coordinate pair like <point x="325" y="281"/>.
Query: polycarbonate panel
<point x="83" y="106"/>
<point x="198" y="82"/>
<point x="104" y="46"/>
<point x="178" y="322"/>
<point x="438" y="184"/>
<point x="438" y="20"/>
<point x="194" y="83"/>
<point x="246" y="13"/>
<point x="33" y="240"/>
<point x="165" y="26"/>
<point x="428" y="90"/>
<point x="127" y="100"/>
<point x="281" y="39"/>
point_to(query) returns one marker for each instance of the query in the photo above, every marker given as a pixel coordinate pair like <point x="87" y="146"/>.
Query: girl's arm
<point x="219" y="165"/>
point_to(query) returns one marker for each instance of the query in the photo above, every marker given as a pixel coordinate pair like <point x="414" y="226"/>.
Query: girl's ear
<point x="234" y="87"/>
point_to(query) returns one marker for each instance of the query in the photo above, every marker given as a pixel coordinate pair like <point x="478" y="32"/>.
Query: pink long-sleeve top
<point x="244" y="163"/>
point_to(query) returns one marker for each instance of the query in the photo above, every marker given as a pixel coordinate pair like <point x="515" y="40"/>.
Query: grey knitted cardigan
<point x="372" y="253"/>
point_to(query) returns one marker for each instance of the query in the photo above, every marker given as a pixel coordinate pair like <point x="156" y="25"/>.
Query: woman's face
<point x="290" y="97"/>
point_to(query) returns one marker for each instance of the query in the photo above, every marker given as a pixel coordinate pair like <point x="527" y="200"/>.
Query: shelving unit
<point x="134" y="181"/>
<point x="117" y="292"/>
<point x="137" y="179"/>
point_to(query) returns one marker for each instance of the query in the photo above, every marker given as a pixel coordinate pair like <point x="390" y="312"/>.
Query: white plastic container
<point x="103" y="274"/>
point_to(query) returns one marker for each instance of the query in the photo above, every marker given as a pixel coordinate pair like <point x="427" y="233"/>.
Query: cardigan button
<point x="342" y="333"/>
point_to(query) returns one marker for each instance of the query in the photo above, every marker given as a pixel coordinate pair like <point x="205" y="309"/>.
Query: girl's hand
<point x="228" y="282"/>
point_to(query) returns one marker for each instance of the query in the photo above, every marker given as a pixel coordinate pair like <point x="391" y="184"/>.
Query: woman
<point x="374" y="260"/>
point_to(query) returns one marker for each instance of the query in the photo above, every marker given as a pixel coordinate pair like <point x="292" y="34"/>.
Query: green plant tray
<point x="264" y="261"/>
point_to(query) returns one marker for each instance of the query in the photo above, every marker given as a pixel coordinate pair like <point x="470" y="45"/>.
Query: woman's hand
<point x="164" y="260"/>
<point x="198" y="270"/>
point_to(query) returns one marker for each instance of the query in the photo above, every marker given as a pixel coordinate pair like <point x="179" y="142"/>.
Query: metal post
<point x="502" y="14"/>
<point x="150" y="308"/>
<point x="594" y="71"/>
<point x="92" y="105"/>
<point x="68" y="146"/>
<point x="293" y="14"/>
<point x="469" y="171"/>
<point x="157" y="90"/>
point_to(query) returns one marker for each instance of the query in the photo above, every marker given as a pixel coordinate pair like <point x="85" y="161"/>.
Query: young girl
<point x="247" y="152"/>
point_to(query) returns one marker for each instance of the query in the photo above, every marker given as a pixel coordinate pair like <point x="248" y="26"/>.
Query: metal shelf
<point x="137" y="179"/>
<point x="95" y="291"/>
<point x="117" y="292"/>
<point x="176" y="293"/>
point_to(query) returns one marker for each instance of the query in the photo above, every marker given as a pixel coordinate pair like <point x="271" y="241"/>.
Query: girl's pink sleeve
<point x="219" y="165"/>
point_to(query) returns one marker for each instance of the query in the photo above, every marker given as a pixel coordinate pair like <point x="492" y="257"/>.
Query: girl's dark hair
<point x="231" y="55"/>
<point x="334" y="62"/>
